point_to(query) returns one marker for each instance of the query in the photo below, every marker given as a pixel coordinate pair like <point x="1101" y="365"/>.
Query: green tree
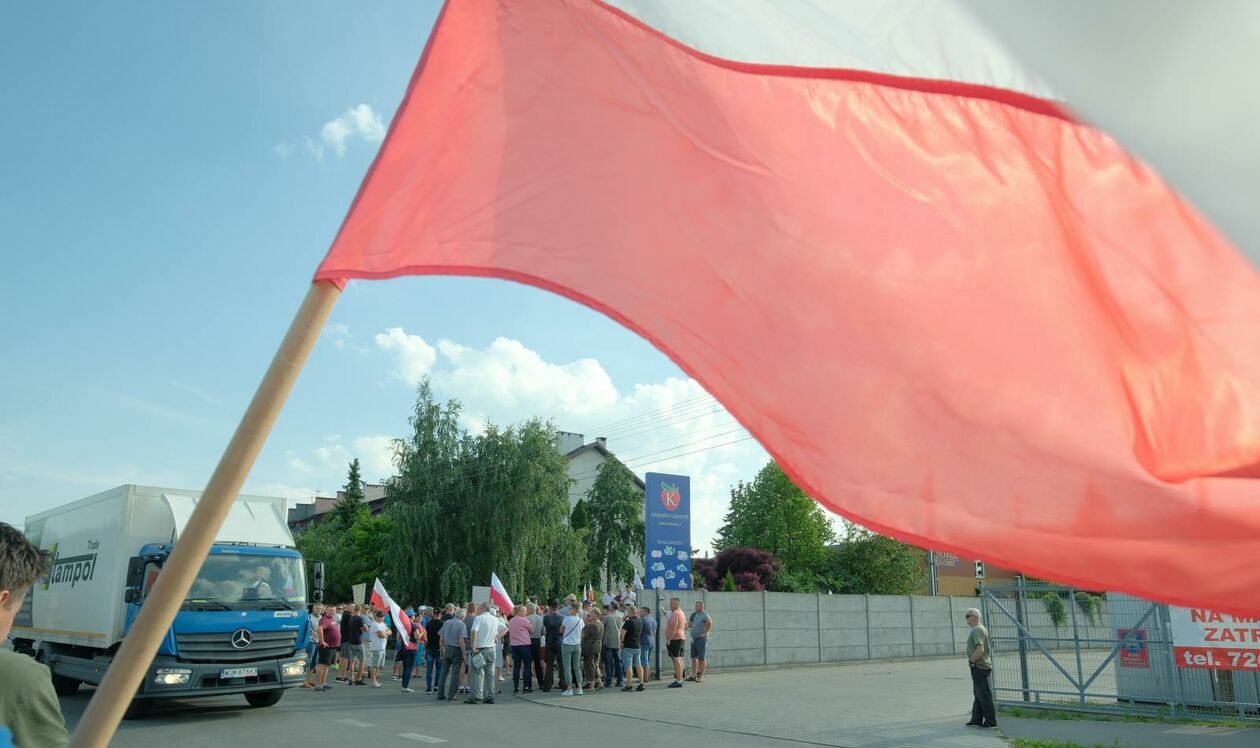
<point x="773" y="514"/>
<point x="615" y="507"/>
<point x="579" y="520"/>
<point x="728" y="583"/>
<point x="353" y="555"/>
<point x="350" y="506"/>
<point x="465" y="506"/>
<point x="869" y="563"/>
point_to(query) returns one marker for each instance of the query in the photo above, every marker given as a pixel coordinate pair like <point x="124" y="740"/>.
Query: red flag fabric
<point x="950" y="311"/>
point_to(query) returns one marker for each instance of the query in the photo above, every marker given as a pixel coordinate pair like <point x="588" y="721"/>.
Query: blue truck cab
<point x="242" y="629"/>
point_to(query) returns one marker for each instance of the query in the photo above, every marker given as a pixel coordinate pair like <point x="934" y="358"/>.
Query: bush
<point x="752" y="569"/>
<point x="728" y="584"/>
<point x="1055" y="607"/>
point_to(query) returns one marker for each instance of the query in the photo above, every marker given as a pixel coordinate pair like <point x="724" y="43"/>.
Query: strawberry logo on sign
<point x="670" y="496"/>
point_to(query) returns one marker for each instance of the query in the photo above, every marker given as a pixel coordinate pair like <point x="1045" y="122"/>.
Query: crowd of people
<point x="571" y="646"/>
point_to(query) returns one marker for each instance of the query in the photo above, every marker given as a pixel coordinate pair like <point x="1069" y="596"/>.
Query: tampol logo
<point x="72" y="569"/>
<point x="241" y="638"/>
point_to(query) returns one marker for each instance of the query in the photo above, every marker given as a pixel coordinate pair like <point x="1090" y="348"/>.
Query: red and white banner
<point x="382" y="601"/>
<point x="1209" y="640"/>
<point x="499" y="595"/>
<point x="951" y="311"/>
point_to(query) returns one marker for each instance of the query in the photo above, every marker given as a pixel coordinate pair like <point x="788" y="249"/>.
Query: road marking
<point x="355" y="723"/>
<point x="421" y="738"/>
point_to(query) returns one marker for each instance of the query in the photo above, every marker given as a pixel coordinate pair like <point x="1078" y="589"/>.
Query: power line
<point x="615" y="424"/>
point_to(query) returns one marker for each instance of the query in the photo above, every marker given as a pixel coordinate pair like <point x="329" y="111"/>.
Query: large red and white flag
<point x="499" y="595"/>
<point x="951" y="311"/>
<point x="402" y="622"/>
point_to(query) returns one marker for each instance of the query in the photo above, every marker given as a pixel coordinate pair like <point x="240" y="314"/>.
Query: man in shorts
<point x="348" y="613"/>
<point x="676" y="636"/>
<point x="631" y="643"/>
<point x="377" y="636"/>
<point x="358" y="645"/>
<point x="329" y="644"/>
<point x="701" y="622"/>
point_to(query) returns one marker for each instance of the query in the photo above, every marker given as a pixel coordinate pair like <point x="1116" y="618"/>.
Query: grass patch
<point x="1078" y="716"/>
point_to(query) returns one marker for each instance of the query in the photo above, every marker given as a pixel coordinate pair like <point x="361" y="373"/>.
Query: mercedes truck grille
<point x="225" y="647"/>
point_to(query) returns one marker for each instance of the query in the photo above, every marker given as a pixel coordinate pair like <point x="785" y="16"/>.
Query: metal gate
<point x="1053" y="649"/>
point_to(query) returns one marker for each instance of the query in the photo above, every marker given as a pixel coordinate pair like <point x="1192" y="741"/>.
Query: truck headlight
<point x="293" y="669"/>
<point x="171" y="676"/>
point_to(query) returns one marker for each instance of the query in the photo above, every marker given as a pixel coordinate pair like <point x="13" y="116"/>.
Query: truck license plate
<point x="238" y="672"/>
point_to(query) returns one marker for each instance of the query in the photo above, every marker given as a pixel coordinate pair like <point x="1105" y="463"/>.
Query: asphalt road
<point x="921" y="703"/>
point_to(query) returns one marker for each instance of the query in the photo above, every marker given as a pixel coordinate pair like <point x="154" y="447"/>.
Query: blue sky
<point x="171" y="176"/>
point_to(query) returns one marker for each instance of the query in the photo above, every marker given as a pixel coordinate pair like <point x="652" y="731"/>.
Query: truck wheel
<point x="264" y="698"/>
<point x="65" y="686"/>
<point x="138" y="709"/>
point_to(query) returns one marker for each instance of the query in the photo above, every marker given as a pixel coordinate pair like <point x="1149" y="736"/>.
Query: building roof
<point x="600" y="445"/>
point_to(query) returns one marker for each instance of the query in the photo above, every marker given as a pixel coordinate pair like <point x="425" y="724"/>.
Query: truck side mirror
<point x="317" y="582"/>
<point x="135" y="572"/>
<point x="132" y="595"/>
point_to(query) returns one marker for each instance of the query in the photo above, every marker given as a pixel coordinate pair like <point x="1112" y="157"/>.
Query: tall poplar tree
<point x="614" y="505"/>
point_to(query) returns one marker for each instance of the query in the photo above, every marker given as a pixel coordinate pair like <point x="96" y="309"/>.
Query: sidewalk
<point x="916" y="703"/>
<point x="1130" y="734"/>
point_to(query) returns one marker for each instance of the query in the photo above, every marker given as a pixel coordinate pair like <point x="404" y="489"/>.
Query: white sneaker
<point x="567" y="693"/>
<point x="409" y="690"/>
<point x="579" y="692"/>
<point x="375" y="684"/>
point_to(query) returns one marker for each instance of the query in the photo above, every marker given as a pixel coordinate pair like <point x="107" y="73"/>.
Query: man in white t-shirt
<point x="377" y="634"/>
<point x="483" y="634"/>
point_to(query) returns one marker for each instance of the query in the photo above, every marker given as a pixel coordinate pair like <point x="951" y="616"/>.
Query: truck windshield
<point x="241" y="581"/>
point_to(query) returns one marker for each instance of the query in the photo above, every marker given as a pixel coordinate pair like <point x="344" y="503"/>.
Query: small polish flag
<point x="499" y="595"/>
<point x="382" y="601"/>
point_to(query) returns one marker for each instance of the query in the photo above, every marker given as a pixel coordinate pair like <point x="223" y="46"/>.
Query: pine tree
<point x="728" y="584"/>
<point x="350" y="505"/>
<point x="579" y="520"/>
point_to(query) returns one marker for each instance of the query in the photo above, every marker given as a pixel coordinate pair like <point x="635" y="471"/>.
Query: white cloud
<point x="357" y="122"/>
<point x="292" y="493"/>
<point x="376" y="456"/>
<point x="283" y="150"/>
<point x="516" y="378"/>
<point x="295" y="463"/>
<point x="339" y="335"/>
<point x="415" y="357"/>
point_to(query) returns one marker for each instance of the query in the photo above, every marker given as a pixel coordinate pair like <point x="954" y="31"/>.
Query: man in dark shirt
<point x="433" y="652"/>
<point x="348" y="614"/>
<point x="358" y="624"/>
<point x="553" y="623"/>
<point x="631" y="638"/>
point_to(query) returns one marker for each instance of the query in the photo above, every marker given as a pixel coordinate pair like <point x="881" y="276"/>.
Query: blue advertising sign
<point x="667" y="517"/>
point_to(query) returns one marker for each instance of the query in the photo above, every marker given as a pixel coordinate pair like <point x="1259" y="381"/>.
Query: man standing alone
<point x="701" y="622"/>
<point x="676" y="636"/>
<point x="981" y="664"/>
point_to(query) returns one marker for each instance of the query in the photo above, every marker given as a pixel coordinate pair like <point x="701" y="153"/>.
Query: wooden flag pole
<point x="134" y="657"/>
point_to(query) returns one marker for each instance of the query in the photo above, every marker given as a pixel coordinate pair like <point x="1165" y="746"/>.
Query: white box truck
<point x="241" y="630"/>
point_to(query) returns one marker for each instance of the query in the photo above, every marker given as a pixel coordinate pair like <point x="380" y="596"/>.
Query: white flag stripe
<point x="933" y="39"/>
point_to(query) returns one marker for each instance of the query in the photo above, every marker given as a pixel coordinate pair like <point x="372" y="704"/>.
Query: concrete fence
<point x="781" y="628"/>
